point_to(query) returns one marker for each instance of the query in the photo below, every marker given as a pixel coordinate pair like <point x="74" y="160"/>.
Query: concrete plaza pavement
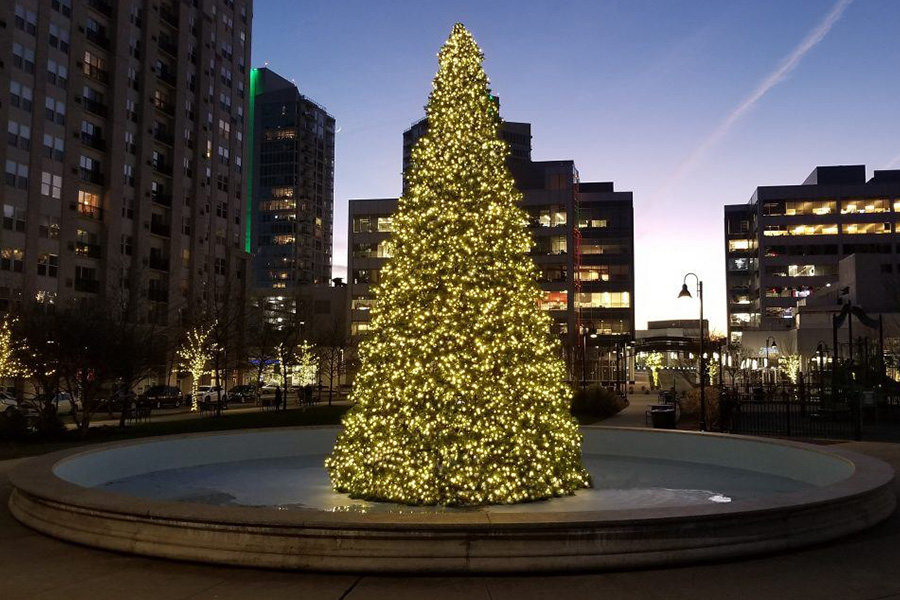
<point x="864" y="566"/>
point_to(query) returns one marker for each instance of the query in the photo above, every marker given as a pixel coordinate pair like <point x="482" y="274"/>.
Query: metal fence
<point x="789" y="411"/>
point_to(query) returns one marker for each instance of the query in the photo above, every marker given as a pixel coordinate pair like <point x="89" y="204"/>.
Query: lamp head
<point x="774" y="346"/>
<point x="684" y="293"/>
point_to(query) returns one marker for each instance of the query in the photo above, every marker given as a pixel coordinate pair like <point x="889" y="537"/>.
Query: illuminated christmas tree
<point x="460" y="398"/>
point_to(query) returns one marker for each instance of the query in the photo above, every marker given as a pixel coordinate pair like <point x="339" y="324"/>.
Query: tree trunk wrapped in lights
<point x="460" y="398"/>
<point x="195" y="354"/>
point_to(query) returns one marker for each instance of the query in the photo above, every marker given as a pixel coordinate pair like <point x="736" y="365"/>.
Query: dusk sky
<point x="690" y="105"/>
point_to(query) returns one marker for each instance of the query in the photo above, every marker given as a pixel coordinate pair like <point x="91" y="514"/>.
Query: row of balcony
<point x="92" y="286"/>
<point x="101" y="6"/>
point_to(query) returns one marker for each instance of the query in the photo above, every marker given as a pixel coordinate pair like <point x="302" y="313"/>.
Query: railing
<point x="158" y="228"/>
<point x="166" y="107"/>
<point x="94" y="107"/>
<point x="168" y="46"/>
<point x="158" y="295"/>
<point x="167" y="76"/>
<point x="93" y="141"/>
<point x="96" y="73"/>
<point x="169" y="14"/>
<point x="792" y="418"/>
<point x="87" y="285"/>
<point x="848" y="413"/>
<point x="161" y="167"/>
<point x="159" y="263"/>
<point x="91" y="176"/>
<point x="97" y="38"/>
<point x="88" y="250"/>
<point x="161" y="198"/>
<point x="90" y="212"/>
<point x="101" y="6"/>
<point x="163" y="137"/>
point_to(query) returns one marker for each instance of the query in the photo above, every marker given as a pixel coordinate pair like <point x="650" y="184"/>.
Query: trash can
<point x="663" y="416"/>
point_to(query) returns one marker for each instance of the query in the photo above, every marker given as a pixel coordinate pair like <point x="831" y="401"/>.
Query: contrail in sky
<point x="788" y="64"/>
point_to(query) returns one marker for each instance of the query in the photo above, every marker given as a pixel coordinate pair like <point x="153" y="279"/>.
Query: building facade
<point x="368" y="248"/>
<point x="786" y="243"/>
<point x="124" y="169"/>
<point x="292" y="187"/>
<point x="584" y="252"/>
<point x="517" y="135"/>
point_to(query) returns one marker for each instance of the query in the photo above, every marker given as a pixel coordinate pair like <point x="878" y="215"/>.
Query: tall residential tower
<point x="124" y="154"/>
<point x="292" y="187"/>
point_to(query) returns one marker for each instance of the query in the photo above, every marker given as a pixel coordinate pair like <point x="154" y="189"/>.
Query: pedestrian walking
<point x="277" y="397"/>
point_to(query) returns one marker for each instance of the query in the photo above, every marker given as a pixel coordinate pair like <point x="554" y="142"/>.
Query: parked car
<point x="242" y="394"/>
<point x="268" y="389"/>
<point x="9" y="405"/>
<point x="162" y="396"/>
<point x="208" y="395"/>
<point x="116" y="400"/>
<point x="63" y="402"/>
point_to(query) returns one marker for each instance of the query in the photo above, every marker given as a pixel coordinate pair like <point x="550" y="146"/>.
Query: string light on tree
<point x="791" y="365"/>
<point x="300" y="363"/>
<point x="195" y="354"/>
<point x="460" y="398"/>
<point x="10" y="365"/>
<point x="654" y="363"/>
<point x="307" y="365"/>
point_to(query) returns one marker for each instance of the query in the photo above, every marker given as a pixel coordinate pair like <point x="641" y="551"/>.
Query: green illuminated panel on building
<point x="254" y="83"/>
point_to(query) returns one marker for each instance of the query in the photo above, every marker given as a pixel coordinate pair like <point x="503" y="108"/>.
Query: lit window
<point x="738" y="245"/>
<point x="603" y="300"/>
<point x="780" y="230"/>
<point x="864" y="228"/>
<point x="89" y="204"/>
<point x="554" y="301"/>
<point x="864" y="206"/>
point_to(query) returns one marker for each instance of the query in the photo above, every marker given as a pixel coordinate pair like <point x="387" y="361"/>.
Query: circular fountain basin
<point x="263" y="498"/>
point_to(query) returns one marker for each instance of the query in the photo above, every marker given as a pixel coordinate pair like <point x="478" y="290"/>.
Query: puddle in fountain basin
<point x="302" y="482"/>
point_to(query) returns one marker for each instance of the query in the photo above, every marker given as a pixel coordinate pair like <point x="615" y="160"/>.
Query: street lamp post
<point x="685" y="293"/>
<point x="585" y="333"/>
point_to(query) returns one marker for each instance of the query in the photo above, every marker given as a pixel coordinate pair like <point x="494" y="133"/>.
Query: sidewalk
<point x="634" y="414"/>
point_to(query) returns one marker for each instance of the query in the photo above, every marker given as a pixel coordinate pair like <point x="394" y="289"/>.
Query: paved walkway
<point x="634" y="415"/>
<point x="862" y="567"/>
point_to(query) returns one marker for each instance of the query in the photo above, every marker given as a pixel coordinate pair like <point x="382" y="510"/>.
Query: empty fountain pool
<point x="263" y="498"/>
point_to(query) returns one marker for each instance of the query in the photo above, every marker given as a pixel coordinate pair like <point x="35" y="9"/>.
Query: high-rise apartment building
<point x="124" y="154"/>
<point x="584" y="252"/>
<point x="786" y="243"/>
<point x="292" y="186"/>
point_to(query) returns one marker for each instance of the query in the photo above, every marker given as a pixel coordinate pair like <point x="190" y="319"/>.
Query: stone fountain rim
<point x="35" y="478"/>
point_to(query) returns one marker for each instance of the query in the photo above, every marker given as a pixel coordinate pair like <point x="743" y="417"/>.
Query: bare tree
<point x="225" y="312"/>
<point x="135" y="348"/>
<point x="735" y="356"/>
<point x="261" y="344"/>
<point x="333" y="346"/>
